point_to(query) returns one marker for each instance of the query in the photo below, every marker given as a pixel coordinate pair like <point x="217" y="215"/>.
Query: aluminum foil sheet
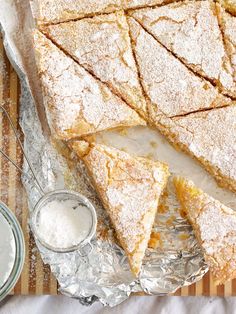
<point x="104" y="274"/>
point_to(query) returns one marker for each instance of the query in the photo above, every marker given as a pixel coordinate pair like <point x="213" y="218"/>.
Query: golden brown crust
<point x="215" y="228"/>
<point x="129" y="188"/>
<point x="229" y="5"/>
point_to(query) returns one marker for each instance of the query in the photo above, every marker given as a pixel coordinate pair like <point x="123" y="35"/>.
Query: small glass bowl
<point x="65" y="195"/>
<point x="20" y="251"/>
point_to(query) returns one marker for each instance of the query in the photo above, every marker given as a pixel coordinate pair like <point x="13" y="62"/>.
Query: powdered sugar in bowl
<point x="64" y="221"/>
<point x="12" y="250"/>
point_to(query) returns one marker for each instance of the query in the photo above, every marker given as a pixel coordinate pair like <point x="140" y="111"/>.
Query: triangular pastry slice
<point x="102" y="46"/>
<point x="190" y="30"/>
<point x="214" y="225"/>
<point x="129" y="188"/>
<point x="210" y="137"/>
<point x="171" y="87"/>
<point x="76" y="103"/>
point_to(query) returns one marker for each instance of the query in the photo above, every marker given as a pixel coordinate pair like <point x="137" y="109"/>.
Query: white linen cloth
<point x="134" y="305"/>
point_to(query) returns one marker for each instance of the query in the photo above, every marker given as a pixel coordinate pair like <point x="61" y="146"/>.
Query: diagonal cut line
<point x="86" y="16"/>
<point x="146" y="97"/>
<point x="91" y="73"/>
<point x="149" y="100"/>
<point x="202" y="110"/>
<point x="186" y="66"/>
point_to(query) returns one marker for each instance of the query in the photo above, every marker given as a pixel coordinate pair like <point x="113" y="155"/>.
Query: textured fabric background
<point x="134" y="305"/>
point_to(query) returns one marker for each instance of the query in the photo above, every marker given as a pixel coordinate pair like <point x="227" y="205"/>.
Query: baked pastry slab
<point x="209" y="137"/>
<point x="190" y="30"/>
<point x="76" y="103"/>
<point x="228" y="27"/>
<point x="102" y="46"/>
<point x="170" y="86"/>
<point x="129" y="188"/>
<point x="57" y="11"/>
<point x="214" y="225"/>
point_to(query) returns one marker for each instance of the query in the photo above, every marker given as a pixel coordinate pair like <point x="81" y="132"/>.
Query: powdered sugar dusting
<point x="190" y="29"/>
<point x="101" y="44"/>
<point x="215" y="227"/>
<point x="130" y="189"/>
<point x="228" y="24"/>
<point x="215" y="223"/>
<point x="133" y="203"/>
<point x="61" y="10"/>
<point x="210" y="137"/>
<point x="171" y="87"/>
<point x="76" y="103"/>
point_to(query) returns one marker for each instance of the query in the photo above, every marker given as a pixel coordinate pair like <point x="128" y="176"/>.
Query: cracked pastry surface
<point x="102" y="45"/>
<point x="215" y="228"/>
<point x="210" y="137"/>
<point x="129" y="188"/>
<point x="190" y="30"/>
<point x="171" y="87"/>
<point x="76" y="103"/>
